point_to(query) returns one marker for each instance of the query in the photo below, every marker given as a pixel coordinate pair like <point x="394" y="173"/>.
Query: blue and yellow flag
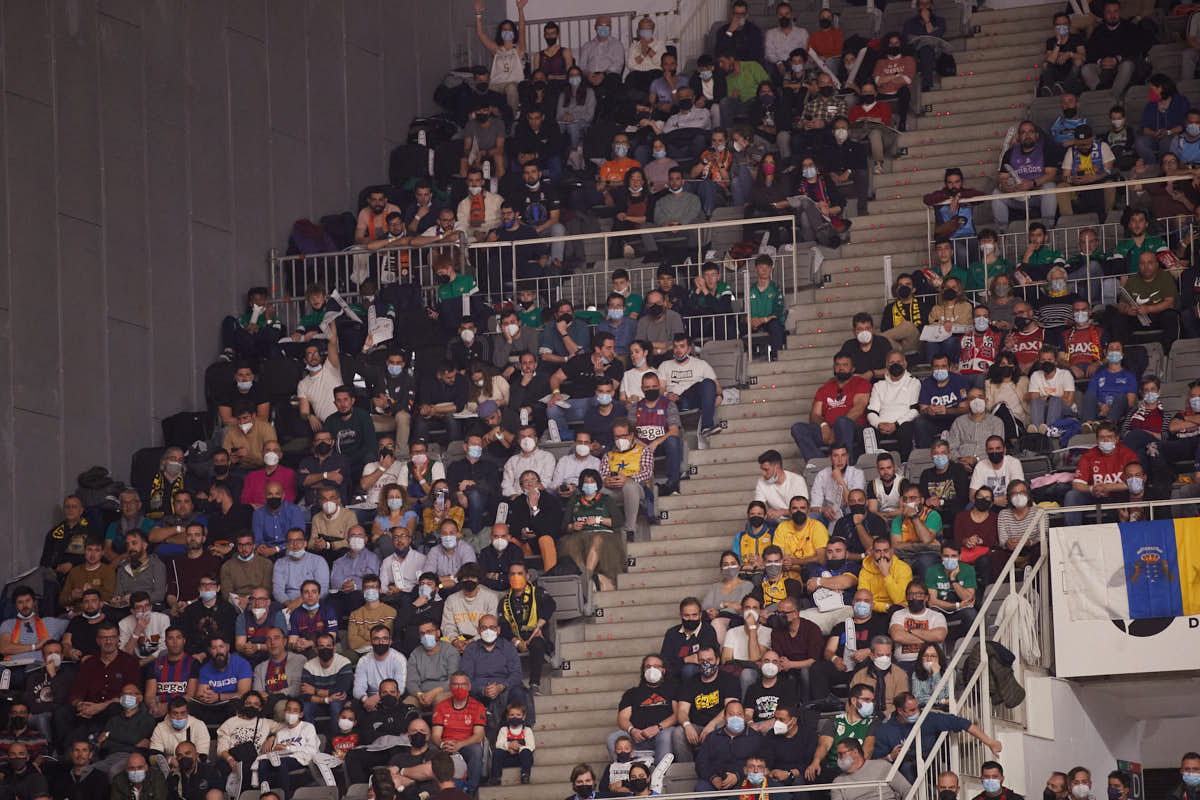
<point x="1162" y="567"/>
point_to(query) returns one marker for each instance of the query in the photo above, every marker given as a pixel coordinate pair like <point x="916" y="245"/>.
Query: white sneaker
<point x="660" y="773"/>
<point x="552" y="431"/>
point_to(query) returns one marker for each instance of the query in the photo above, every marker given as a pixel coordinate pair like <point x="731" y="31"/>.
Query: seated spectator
<point x="296" y="744"/>
<point x="600" y="415"/>
<point x="658" y="171"/>
<point x="256" y="333"/>
<point x="925" y="23"/>
<point x="576" y="109"/>
<point x="440" y="398"/>
<point x="799" y="643"/>
<point x="883" y="493"/>
<point x="311" y="618"/>
<point x="886" y="678"/>
<point x="978" y="349"/>
<point x="711" y="174"/>
<point x="647" y="710"/>
<point x="970" y="432"/>
<point x="854" y="766"/>
<point x="677" y="207"/>
<point x="1064" y="57"/>
<point x="430" y="667"/>
<point x="904" y="317"/>
<point x="775" y="586"/>
<point x="659" y="324"/>
<point x="860" y="526"/>
<point x="130" y="505"/>
<point x="855" y="723"/>
<point x="23" y="636"/>
<point x="917" y="623"/>
<point x="81" y="779"/>
<point x="535" y="519"/>
<point x="536" y="141"/>
<point x="1006" y="392"/>
<point x="748" y="645"/>
<point x="79" y="639"/>
<point x="291" y="572"/>
<point x="592" y="520"/>
<point x="832" y="486"/>
<point x="514" y="744"/>
<point x="1140" y="240"/>
<point x="991" y="268"/>
<point x="952" y="586"/>
<point x="1155" y="297"/>
<point x="867" y="352"/>
<point x="976" y="533"/>
<point x="326" y="679"/>
<point x="64" y="545"/>
<point x="664" y="90"/>
<point x="837" y="413"/>
<point x="255" y="486"/>
<point x="1021" y="517"/>
<point x="832" y="582"/>
<point x="1051" y="391"/>
<point x="620" y="327"/>
<point x="1027" y="338"/>
<point x="221" y="681"/>
<point x="943" y="399"/>
<point x="566" y="337"/>
<point x="879" y="132"/>
<point x="440" y="508"/>
<point x="1029" y="164"/>
<point x="382" y="664"/>
<point x="896" y="728"/>
<point x="801" y="537"/>
<point x="722" y="755"/>
<point x="997" y="470"/>
<point x="758" y="534"/>
<point x="274" y="518"/>
<point x="366" y="616"/>
<point x="525" y="611"/>
<point x="93" y="573"/>
<point x="894" y="74"/>
<point x="245" y="726"/>
<point x="323" y="469"/>
<point x="1085" y="342"/>
<point x="139" y="570"/>
<point x="132" y="779"/>
<point x="954" y="314"/>
<point x="458" y="727"/>
<point x="1088" y="160"/>
<point x="1164" y="117"/>
<point x="891" y="410"/>
<point x="1062" y="130"/>
<point x="278" y="677"/>
<point x="493" y="666"/>
<point x="1114" y="51"/>
<point x="467" y="603"/>
<point x="945" y="483"/>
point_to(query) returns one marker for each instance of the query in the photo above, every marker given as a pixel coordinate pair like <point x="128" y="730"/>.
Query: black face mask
<point x="842" y="377"/>
<point x="756" y="521"/>
<point x="18" y="723"/>
<point x="799" y="517"/>
<point x="893" y="51"/>
<point x="826" y="91"/>
<point x="250" y="712"/>
<point x="443" y="279"/>
<point x="637" y="784"/>
<point x="387" y="452"/>
<point x="583" y="790"/>
<point x="916" y="606"/>
<point x="469" y="586"/>
<point x="904" y="291"/>
<point x="825" y="23"/>
<point x="526" y="303"/>
<point x="685" y="105"/>
<point x="220" y="470"/>
<point x="785" y="22"/>
<point x="983" y="504"/>
<point x="996" y="458"/>
<point x="380" y="648"/>
<point x="274" y="503"/>
<point x="895" y="370"/>
<point x="186" y="764"/>
<point x="949" y="295"/>
<point x="389" y="701"/>
<point x="858" y="509"/>
<point x="323" y="448"/>
<point x="1049" y="794"/>
<point x="624" y="758"/>
<point x="947" y="794"/>
<point x="551" y="41"/>
<point x="565" y="318"/>
<point x="481" y="87"/>
<point x="325" y="653"/>
<point x="690" y="624"/>
<point x="417" y="740"/>
<point x="652" y="395"/>
<point x="540" y="85"/>
<point x="1070" y="113"/>
<point x="867" y="99"/>
<point x="1022" y="322"/>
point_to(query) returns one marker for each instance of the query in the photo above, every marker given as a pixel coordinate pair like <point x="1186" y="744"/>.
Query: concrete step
<point x="685" y="516"/>
<point x="819" y="331"/>
<point x="620" y="631"/>
<point x="639" y="613"/>
<point x="810" y="350"/>
<point x="993" y="30"/>
<point x="620" y="598"/>
<point x="977" y="87"/>
<point x="680" y="547"/>
<point x="972" y="105"/>
<point x="637" y="646"/>
<point x="940" y="145"/>
<point x="745" y="410"/>
<point x="625" y="666"/>
<point x="884" y="222"/>
<point x="683" y="502"/>
<point x="986" y="74"/>
<point x="776" y="422"/>
<point x="886" y="241"/>
<point x="1026" y="40"/>
<point x="617" y="681"/>
<point x="960" y="137"/>
<point x="938" y="162"/>
<point x="952" y="118"/>
<point x="1034" y="12"/>
<point x="578" y="702"/>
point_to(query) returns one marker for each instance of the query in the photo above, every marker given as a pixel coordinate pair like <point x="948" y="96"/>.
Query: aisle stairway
<point x="999" y="71"/>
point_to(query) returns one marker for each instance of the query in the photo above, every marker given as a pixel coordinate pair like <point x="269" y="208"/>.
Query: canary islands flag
<point x="1131" y="570"/>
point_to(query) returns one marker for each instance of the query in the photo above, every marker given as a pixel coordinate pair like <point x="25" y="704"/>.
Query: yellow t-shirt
<point x="803" y="543"/>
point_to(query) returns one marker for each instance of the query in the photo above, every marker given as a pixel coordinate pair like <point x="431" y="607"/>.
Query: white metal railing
<point x="694" y="28"/>
<point x="575" y="31"/>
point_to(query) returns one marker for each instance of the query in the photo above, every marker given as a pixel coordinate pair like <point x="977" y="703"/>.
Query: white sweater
<point x="894" y="400"/>
<point x="540" y="461"/>
<point x="301" y="741"/>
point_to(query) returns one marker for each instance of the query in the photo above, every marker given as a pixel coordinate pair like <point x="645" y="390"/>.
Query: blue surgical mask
<point x="862" y="608"/>
<point x="810" y="173"/>
<point x="245" y="558"/>
<point x="659" y="153"/>
<point x="1136" y="485"/>
<point x="602" y="31"/>
<point x="706" y="74"/>
<point x="941" y="375"/>
<point x="755" y="778"/>
<point x="1115" y="356"/>
<point x="449" y="541"/>
<point x="179" y="724"/>
<point x="297" y="554"/>
<point x="395" y="503"/>
<point x="1150" y="397"/>
<point x="371" y="595"/>
<point x="136" y="775"/>
<point x="574" y="80"/>
<point x="675" y="191"/>
<point x="208" y="595"/>
<point x="589" y="489"/>
<point x="604" y="399"/>
<point x="428" y="641"/>
<point x="395" y="370"/>
<point x="129" y="701"/>
<point x="949" y="564"/>
<point x="646" y="33"/>
<point x="735" y="724"/>
<point x="1062" y="30"/>
<point x="911" y="718"/>
<point x="245" y="386"/>
<point x="507" y="35"/>
<point x="426" y="590"/>
<point x="616" y="313"/>
<point x="941" y="460"/>
<point x="1192" y="779"/>
<point x="310" y="606"/>
<point x="620" y="150"/>
<point x="1194" y="404"/>
<point x="475" y="451"/>
<point x="991" y="785"/>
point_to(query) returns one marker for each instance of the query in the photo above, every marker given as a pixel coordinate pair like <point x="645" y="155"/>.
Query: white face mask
<point x="512" y="330"/>
<point x="345" y="725"/>
<point x="780" y="728"/>
<point x="978" y="405"/>
<point x="467" y="335"/>
<point x="770" y="669"/>
<point x="499" y="544"/>
<point x="622" y="444"/>
<point x="271" y="459"/>
<point x="245" y="427"/>
<point x="488" y="636"/>
<point x="1082" y="317"/>
<point x="474" y="190"/>
<point x="329" y="507"/>
<point x="357" y="543"/>
<point x="652" y="674"/>
<point x="583" y="450"/>
<point x="882" y="663"/>
<point x="841" y="134"/>
<point x="292" y="718"/>
<point x="1019" y="500"/>
<point x="528" y="445"/>
<point x="864" y="337"/>
<point x="259" y="613"/>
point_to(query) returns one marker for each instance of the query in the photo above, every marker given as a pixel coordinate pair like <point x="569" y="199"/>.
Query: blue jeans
<point x="565" y="417"/>
<point x="473" y="755"/>
<point x="740" y="183"/>
<point x="661" y="742"/>
<point x="574" y="132"/>
<point x="702" y="395"/>
<point x="1077" y="498"/>
<point x="925" y="62"/>
<point x="311" y="709"/>
<point x="709" y="190"/>
<point x="278" y="776"/>
<point x="673" y="449"/>
<point x="1046" y="410"/>
<point x="1116" y="409"/>
<point x="808" y="437"/>
<point x="926" y="428"/>
<point x="950" y="348"/>
<point x="478" y="501"/>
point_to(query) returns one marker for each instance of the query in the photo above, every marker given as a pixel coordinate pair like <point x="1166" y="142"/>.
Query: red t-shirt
<point x="836" y="401"/>
<point x="1026" y="346"/>
<point x="1083" y="345"/>
<point x="1095" y="467"/>
<point x="343" y="744"/>
<point x="880" y="112"/>
<point x="459" y="723"/>
<point x="1147" y="419"/>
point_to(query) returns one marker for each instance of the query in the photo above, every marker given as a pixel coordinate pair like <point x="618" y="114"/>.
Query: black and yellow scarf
<point x="513" y="611"/>
<point x="158" y="490"/>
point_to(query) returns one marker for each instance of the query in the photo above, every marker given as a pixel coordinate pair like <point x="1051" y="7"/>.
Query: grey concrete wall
<point x="151" y="152"/>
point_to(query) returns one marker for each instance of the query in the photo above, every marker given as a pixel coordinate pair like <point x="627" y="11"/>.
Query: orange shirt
<point x="614" y="171"/>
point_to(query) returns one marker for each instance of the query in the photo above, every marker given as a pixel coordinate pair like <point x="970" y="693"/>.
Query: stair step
<point x="579" y="702"/>
<point x="982" y="157"/>
<point x="972" y="105"/>
<point x="617" y="681"/>
<point x="1019" y="41"/>
<point x="617" y="598"/>
<point x="886" y="242"/>
<point x="637" y="646"/>
<point x="957" y="117"/>
<point x="699" y="544"/>
<point x="683" y="502"/>
<point x="973" y="87"/>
